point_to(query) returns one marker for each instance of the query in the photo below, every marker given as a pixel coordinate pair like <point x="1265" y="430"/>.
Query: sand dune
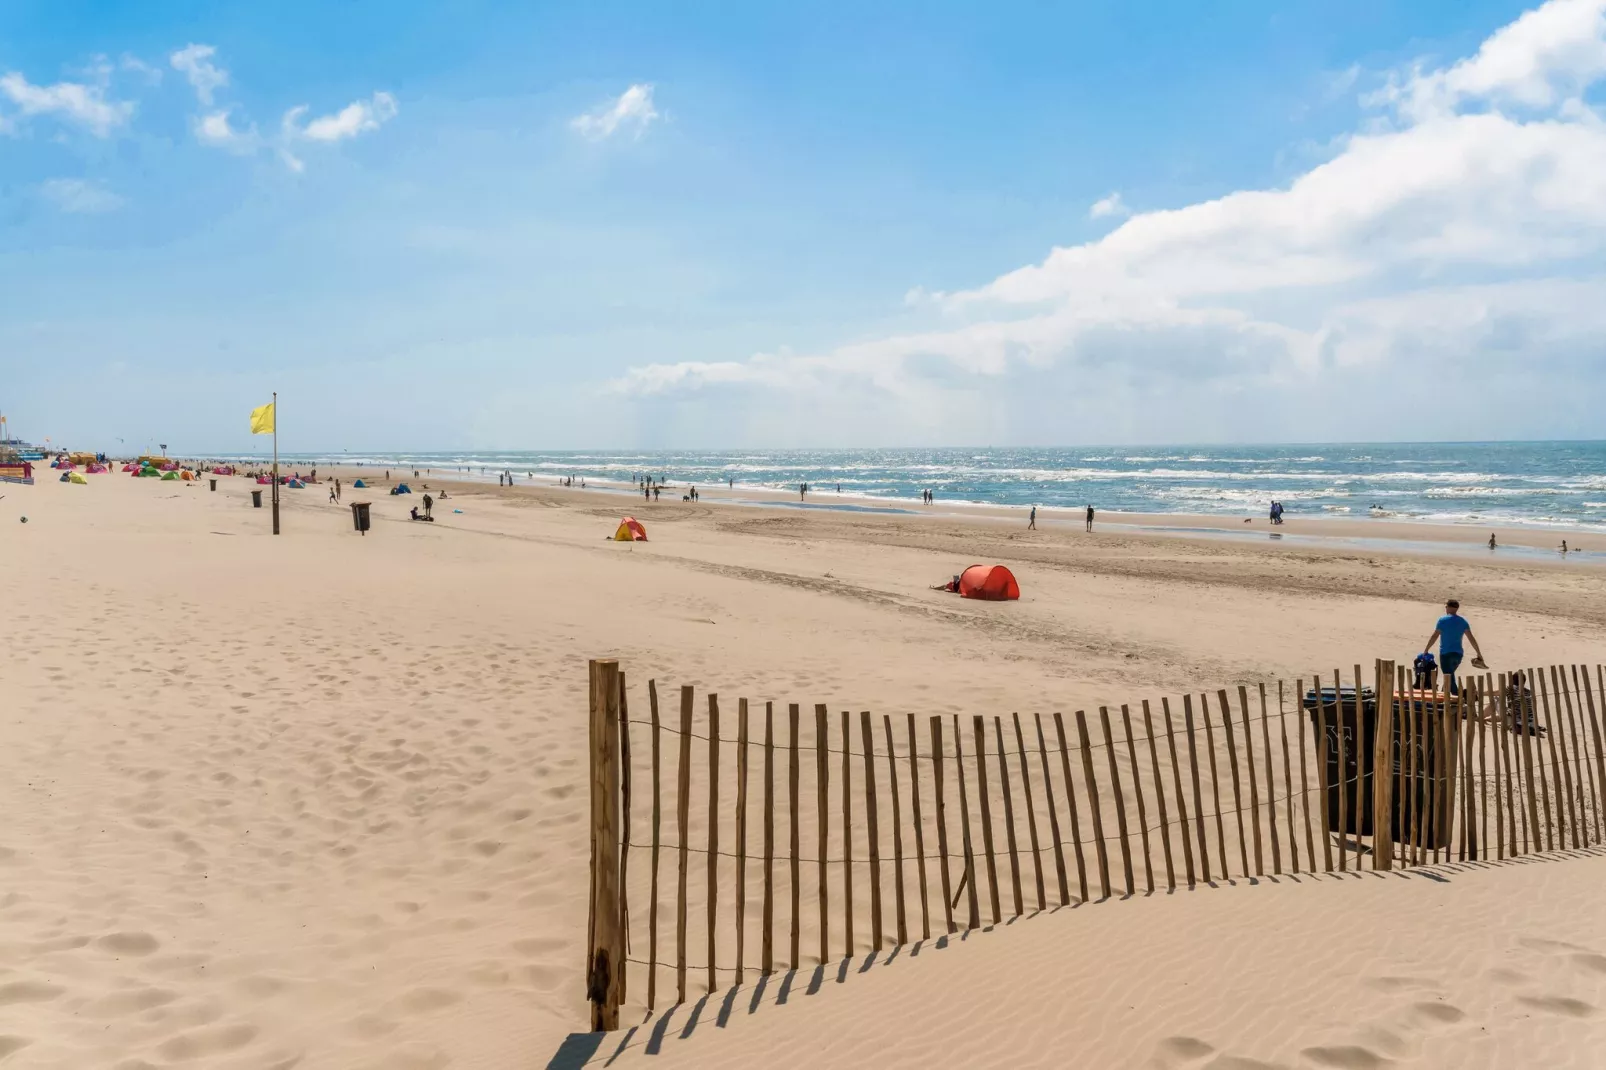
<point x="319" y="801"/>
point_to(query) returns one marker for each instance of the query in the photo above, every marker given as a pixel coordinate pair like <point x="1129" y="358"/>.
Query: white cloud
<point x="632" y="112"/>
<point x="216" y="129"/>
<point x="135" y="65"/>
<point x="78" y="196"/>
<point x="1108" y="206"/>
<point x="1469" y="232"/>
<point x="76" y="102"/>
<point x="195" y="63"/>
<point x="358" y="117"/>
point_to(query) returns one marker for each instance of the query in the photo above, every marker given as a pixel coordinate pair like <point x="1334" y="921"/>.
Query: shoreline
<point x="1534" y="544"/>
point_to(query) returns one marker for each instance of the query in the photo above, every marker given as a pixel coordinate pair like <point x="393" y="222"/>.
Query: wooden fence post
<point x="1382" y="768"/>
<point x="920" y="833"/>
<point x="1237" y="789"/>
<point x="1176" y="784"/>
<point x="1070" y="802"/>
<point x="1159" y="793"/>
<point x="657" y="830"/>
<point x="682" y="844"/>
<point x="984" y="804"/>
<point x="741" y="835"/>
<point x="968" y="877"/>
<point x="822" y="813"/>
<point x="872" y="830"/>
<point x="1120" y="800"/>
<point x="1093" y="801"/>
<point x="767" y="953"/>
<point x="1009" y="817"/>
<point x="1031" y="815"/>
<point x="1215" y="786"/>
<point x="899" y="915"/>
<point x="1198" y="795"/>
<point x="937" y="758"/>
<point x="605" y="960"/>
<point x="794" y="845"/>
<point x="1137" y="789"/>
<point x="1053" y="814"/>
<point x="1271" y="785"/>
<point x="713" y="839"/>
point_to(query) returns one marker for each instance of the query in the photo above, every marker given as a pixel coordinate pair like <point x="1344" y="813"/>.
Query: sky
<point x="468" y="225"/>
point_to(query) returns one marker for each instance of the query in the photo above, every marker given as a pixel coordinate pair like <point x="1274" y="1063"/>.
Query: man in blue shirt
<point x="1449" y="631"/>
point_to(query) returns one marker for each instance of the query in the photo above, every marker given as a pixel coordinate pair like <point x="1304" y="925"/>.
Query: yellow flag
<point x="262" y="420"/>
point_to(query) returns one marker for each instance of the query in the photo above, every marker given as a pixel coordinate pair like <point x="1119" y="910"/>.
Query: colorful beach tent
<point x="630" y="530"/>
<point x="359" y="483"/>
<point x="994" y="583"/>
<point x="169" y="475"/>
<point x="76" y="477"/>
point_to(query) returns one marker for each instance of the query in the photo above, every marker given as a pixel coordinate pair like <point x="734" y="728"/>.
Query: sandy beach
<point x="320" y="800"/>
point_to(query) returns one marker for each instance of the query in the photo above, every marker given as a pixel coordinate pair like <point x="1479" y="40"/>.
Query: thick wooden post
<point x="1215" y="785"/>
<point x="1600" y="752"/>
<point x="1288" y="777"/>
<point x="794" y="843"/>
<point x="606" y="959"/>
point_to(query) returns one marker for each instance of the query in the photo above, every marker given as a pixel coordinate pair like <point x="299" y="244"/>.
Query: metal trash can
<point x="256" y="499"/>
<point x="1332" y="712"/>
<point x="359" y="516"/>
<point x="213" y="482"/>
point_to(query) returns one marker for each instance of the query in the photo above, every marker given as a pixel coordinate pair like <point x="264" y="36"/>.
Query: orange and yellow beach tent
<point x="630" y="530"/>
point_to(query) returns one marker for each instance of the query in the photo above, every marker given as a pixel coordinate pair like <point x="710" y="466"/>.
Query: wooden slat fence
<point x="928" y="825"/>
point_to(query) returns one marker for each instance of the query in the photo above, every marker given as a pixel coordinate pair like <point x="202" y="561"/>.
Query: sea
<point x="1560" y="484"/>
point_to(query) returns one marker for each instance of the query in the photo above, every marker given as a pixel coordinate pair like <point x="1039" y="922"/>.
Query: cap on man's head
<point x="1452" y="604"/>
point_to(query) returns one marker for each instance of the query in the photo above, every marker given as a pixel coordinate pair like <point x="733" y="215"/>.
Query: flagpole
<point x="275" y="461"/>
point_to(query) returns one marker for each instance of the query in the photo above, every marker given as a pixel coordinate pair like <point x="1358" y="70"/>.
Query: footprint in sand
<point x="131" y="1001"/>
<point x="1590" y="961"/>
<point x="10" y="1044"/>
<point x="1561" y="1005"/>
<point x="1436" y="1014"/>
<point x="28" y="992"/>
<point x="211" y="1041"/>
<point x="128" y="943"/>
<point x="1345" y="1057"/>
<point x="1170" y="1052"/>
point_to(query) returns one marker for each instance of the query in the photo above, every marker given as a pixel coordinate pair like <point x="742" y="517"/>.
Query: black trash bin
<point x="1332" y="712"/>
<point x="359" y="516"/>
<point x="214" y="483"/>
<point x="256" y="499"/>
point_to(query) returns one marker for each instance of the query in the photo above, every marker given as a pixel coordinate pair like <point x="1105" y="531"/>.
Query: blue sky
<point x="478" y="225"/>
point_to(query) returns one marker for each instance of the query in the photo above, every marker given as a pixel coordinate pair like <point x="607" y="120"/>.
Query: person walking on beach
<point x="334" y="495"/>
<point x="1031" y="525"/>
<point x="1090" y="518"/>
<point x="1449" y="631"/>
